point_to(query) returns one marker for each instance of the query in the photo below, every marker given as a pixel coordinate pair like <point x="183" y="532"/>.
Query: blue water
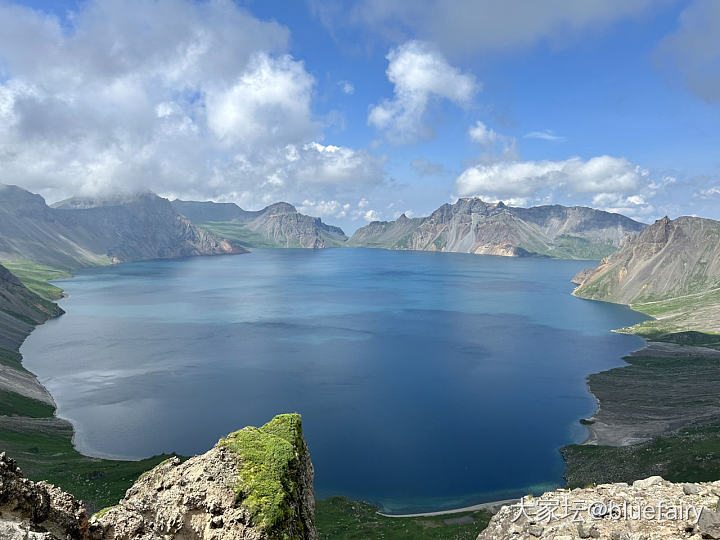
<point x="425" y="380"/>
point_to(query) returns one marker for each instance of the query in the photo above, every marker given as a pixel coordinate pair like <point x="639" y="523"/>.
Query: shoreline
<point x="665" y="408"/>
<point x="590" y="422"/>
<point x="491" y="507"/>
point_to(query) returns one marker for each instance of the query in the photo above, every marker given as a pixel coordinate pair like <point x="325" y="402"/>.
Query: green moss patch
<point x="268" y="460"/>
<point x="102" y="512"/>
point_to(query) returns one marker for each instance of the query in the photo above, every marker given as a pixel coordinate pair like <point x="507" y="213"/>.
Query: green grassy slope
<point x="573" y="247"/>
<point x="693" y="312"/>
<point x="36" y="277"/>
<point x="691" y="455"/>
<point x="338" y="518"/>
<point x="45" y="452"/>
<point x="239" y="234"/>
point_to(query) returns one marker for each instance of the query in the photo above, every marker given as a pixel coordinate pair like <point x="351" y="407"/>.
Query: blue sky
<point x="362" y="110"/>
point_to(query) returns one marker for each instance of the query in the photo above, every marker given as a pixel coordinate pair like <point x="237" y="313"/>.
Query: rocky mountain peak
<point x="669" y="258"/>
<point x="19" y="202"/>
<point x="280" y="208"/>
<point x="85" y="203"/>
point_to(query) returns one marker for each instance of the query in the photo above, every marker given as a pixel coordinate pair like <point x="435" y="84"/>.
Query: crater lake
<point x="426" y="381"/>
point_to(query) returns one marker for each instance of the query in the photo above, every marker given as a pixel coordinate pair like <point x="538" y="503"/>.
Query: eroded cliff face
<point x="256" y="484"/>
<point x="35" y="511"/>
<point x="22" y="304"/>
<point x="285" y="226"/>
<point x="20" y="310"/>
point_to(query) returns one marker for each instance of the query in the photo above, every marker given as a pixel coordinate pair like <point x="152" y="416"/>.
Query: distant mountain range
<point x="82" y="232"/>
<point x="86" y="232"/>
<point x="278" y="225"/>
<point x="474" y="226"/>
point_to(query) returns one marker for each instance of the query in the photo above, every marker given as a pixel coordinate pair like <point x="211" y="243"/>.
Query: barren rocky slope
<point x="256" y="484"/>
<point x="649" y="509"/>
<point x="671" y="258"/>
<point x="82" y="232"/>
<point x="474" y="226"/>
<point x="670" y="271"/>
<point x="278" y="225"/>
<point x="20" y="311"/>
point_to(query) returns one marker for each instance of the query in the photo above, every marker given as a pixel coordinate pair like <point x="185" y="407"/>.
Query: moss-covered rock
<point x="255" y="484"/>
<point x="272" y="477"/>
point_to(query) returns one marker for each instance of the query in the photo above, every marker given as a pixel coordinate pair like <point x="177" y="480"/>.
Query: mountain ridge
<point x="81" y="232"/>
<point x="472" y="225"/>
<point x="670" y="271"/>
<point x="276" y="225"/>
<point x="655" y="264"/>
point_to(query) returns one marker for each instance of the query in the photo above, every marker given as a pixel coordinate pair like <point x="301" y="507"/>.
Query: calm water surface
<point x="425" y="380"/>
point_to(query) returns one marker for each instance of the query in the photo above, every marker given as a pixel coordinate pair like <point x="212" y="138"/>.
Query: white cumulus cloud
<point x="483" y="135"/>
<point x="190" y="99"/>
<point x="419" y="74"/>
<point x="269" y="102"/>
<point x="492" y="142"/>
<point x="603" y="174"/>
<point x="371" y="215"/>
<point x="332" y="208"/>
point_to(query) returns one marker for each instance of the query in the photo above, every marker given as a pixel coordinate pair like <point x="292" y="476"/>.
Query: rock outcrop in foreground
<point x="256" y="484"/>
<point x="650" y="509"/>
